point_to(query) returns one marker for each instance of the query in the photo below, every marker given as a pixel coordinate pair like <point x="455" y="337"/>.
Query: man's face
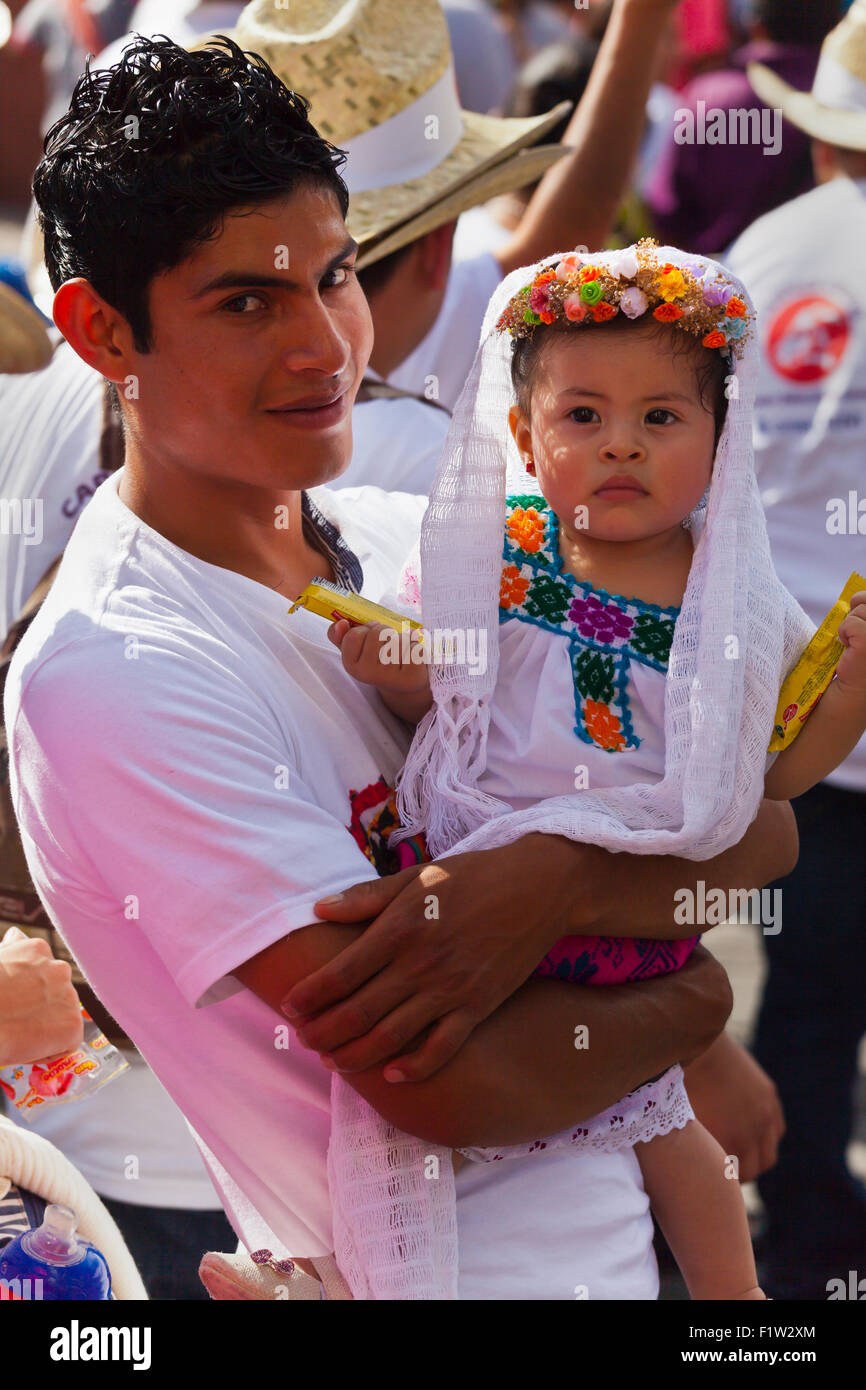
<point x="260" y="339"/>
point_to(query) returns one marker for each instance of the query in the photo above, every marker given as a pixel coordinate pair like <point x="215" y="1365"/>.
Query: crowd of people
<point x="542" y="325"/>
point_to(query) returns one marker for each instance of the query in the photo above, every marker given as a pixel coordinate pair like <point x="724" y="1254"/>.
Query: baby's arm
<point x="394" y="662"/>
<point x="701" y="1212"/>
<point x="835" y="724"/>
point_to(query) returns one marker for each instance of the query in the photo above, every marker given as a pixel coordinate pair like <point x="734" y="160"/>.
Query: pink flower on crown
<point x="575" y="309"/>
<point x="634" y="303"/>
<point x="538" y="300"/>
<point x="569" y="265"/>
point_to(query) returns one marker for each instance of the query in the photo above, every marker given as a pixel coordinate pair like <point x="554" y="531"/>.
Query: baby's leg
<point x="701" y="1212"/>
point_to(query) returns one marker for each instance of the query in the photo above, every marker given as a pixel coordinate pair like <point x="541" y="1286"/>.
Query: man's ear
<point x="521" y="432"/>
<point x="93" y="329"/>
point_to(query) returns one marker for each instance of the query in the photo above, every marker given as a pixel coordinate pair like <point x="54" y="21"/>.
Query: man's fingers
<point x="444" y="1042"/>
<point x="365" y="900"/>
<point x="398" y="1031"/>
<point x="353" y="1018"/>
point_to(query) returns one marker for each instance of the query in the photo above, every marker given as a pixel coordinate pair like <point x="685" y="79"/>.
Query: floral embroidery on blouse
<point x="605" y="632"/>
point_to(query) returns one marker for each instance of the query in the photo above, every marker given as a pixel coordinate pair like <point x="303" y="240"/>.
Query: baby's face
<point x="608" y="407"/>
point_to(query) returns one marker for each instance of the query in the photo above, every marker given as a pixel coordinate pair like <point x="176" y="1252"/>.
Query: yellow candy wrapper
<point x="333" y="602"/>
<point x="814" y="671"/>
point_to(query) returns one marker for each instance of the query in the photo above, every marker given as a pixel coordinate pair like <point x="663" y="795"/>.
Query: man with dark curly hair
<point x="186" y="758"/>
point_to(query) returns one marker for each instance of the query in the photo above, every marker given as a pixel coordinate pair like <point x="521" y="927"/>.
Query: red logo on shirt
<point x="808" y="338"/>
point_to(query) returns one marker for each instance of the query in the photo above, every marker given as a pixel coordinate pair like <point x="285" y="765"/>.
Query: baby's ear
<point x="521" y="431"/>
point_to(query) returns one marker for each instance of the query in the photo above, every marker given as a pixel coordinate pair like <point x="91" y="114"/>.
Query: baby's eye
<point x="239" y="299"/>
<point x="583" y="415"/>
<point x="653" y="416"/>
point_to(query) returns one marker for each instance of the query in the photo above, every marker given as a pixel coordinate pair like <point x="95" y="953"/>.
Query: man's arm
<point x="519" y="1075"/>
<point x="452" y="940"/>
<point x="577" y="200"/>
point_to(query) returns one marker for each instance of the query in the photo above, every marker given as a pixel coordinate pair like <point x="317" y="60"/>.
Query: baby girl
<point x="617" y="415"/>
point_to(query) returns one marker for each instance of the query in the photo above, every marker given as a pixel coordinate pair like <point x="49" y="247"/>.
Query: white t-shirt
<point x="478" y="232"/>
<point x="132" y="1143"/>
<point x="395" y="444"/>
<point x="50" y="424"/>
<point x="446" y="355"/>
<point x="803" y="266"/>
<point x="225" y="756"/>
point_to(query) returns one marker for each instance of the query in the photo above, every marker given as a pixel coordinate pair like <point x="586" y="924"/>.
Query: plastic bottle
<point x="53" y="1263"/>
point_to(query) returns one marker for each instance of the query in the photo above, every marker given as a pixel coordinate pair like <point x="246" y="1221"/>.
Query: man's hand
<point x="40" y="1016"/>
<point x="450" y="942"/>
<point x="737" y="1102"/>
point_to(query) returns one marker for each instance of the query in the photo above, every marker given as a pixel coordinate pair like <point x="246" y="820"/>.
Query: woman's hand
<point x="40" y="1016"/>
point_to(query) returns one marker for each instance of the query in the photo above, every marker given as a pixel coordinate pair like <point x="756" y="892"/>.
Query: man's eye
<point x="339" y="276"/>
<point x="583" y="415"/>
<point x="653" y="417"/>
<point x="239" y="299"/>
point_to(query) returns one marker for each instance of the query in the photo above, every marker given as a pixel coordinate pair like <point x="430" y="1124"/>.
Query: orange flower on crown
<point x="715" y="339"/>
<point x="671" y="283"/>
<point x="588" y="272"/>
<point x="544" y="277"/>
<point x="735" y="309"/>
<point x="526" y="529"/>
<point x="667" y="313"/>
<point x="513" y="589"/>
<point x="604" y="311"/>
<point x="603" y="726"/>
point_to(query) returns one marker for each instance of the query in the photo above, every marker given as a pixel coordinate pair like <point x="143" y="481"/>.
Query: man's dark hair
<point x="797" y="21"/>
<point x="152" y="155"/>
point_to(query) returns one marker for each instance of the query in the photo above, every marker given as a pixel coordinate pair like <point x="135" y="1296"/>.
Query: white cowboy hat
<point x="24" y="342"/>
<point x="379" y="77"/>
<point x="835" y="109"/>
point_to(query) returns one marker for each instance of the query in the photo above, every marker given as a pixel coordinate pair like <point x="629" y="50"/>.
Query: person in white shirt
<point x="129" y="1140"/>
<point x="804" y="266"/>
<point x="212" y="772"/>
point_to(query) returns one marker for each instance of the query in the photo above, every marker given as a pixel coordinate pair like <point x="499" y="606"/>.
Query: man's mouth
<point x="312" y="412"/>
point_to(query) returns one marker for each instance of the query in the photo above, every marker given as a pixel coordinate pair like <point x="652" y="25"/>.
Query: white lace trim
<point x="651" y="1110"/>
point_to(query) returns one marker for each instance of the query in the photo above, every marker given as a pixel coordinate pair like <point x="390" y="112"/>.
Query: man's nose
<point x="316" y="343"/>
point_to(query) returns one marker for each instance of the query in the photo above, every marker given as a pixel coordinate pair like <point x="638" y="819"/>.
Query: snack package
<point x="333" y="602"/>
<point x="72" y="1077"/>
<point x="814" y="671"/>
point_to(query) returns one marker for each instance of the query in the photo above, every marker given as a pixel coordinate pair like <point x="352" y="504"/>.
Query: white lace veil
<point x="738" y="634"/>
<point x="395" y="1225"/>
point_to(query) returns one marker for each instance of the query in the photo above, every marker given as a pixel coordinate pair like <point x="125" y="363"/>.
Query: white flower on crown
<point x="623" y="264"/>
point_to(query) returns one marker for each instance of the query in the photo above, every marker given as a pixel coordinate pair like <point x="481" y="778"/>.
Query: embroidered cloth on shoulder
<point x="605" y="632"/>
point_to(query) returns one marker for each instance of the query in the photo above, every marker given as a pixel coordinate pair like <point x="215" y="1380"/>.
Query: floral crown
<point x="632" y="282"/>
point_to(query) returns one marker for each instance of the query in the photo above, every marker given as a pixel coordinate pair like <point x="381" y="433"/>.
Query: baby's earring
<point x="529" y="465"/>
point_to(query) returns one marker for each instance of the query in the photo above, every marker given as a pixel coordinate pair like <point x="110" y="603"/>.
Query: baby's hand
<point x="851" y="670"/>
<point x="377" y="655"/>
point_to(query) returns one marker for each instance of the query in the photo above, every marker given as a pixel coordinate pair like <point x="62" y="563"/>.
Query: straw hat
<point x="835" y="109"/>
<point x="379" y="77"/>
<point x="24" y="342"/>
